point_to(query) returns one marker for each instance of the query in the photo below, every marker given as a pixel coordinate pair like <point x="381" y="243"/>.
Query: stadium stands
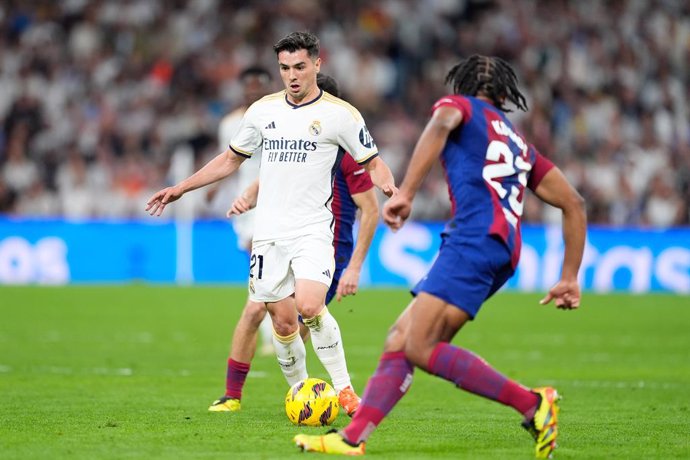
<point x="98" y="98"/>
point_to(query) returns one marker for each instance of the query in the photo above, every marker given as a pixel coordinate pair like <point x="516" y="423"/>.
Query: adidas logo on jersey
<point x="271" y="125"/>
<point x="326" y="273"/>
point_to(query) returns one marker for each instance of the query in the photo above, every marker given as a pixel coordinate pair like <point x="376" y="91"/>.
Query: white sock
<point x="328" y="345"/>
<point x="292" y="356"/>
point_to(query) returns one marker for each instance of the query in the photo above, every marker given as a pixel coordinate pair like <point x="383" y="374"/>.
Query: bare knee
<point x="283" y="327"/>
<point x="395" y="340"/>
<point x="418" y="352"/>
<point x="310" y="309"/>
<point x="284" y="318"/>
<point x="310" y="297"/>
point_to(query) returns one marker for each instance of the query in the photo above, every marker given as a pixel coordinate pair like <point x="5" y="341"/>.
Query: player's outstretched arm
<point x="218" y="168"/>
<point x="246" y="200"/>
<point x="427" y="151"/>
<point x="555" y="190"/>
<point x="381" y="176"/>
<point x="368" y="219"/>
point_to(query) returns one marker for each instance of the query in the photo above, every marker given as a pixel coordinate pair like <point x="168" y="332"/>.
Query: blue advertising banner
<point x="61" y="252"/>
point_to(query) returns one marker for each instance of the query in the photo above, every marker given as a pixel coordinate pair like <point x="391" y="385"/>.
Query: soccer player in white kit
<point x="303" y="133"/>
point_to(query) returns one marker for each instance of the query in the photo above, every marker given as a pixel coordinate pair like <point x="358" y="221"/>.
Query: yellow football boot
<point x="544" y="425"/>
<point x="225" y="404"/>
<point x="330" y="443"/>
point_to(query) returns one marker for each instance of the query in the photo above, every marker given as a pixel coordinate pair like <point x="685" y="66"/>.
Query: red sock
<point x="471" y="373"/>
<point x="234" y="379"/>
<point x="389" y="383"/>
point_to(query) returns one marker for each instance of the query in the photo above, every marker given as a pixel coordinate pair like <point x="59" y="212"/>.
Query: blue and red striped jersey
<point x="488" y="164"/>
<point x="350" y="178"/>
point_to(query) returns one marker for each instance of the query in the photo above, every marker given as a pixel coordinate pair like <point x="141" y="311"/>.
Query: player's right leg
<point x="241" y="354"/>
<point x="287" y="341"/>
<point x="272" y="282"/>
<point x="543" y="426"/>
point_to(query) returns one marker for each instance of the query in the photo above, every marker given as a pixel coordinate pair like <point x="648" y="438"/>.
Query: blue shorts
<point x="467" y="271"/>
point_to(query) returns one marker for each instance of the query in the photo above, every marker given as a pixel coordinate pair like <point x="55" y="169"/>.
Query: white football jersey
<point x="301" y="147"/>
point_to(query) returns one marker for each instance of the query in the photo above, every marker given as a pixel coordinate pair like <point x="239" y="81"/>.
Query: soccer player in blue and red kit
<point x="488" y="165"/>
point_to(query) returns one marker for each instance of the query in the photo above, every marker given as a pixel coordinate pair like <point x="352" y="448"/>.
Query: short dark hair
<point x="328" y="84"/>
<point x="256" y="71"/>
<point x="299" y="41"/>
<point x="491" y="76"/>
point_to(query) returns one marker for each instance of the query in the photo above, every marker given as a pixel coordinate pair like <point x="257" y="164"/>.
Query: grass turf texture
<point x="128" y="372"/>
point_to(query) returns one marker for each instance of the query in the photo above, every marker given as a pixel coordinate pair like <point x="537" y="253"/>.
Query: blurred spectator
<point x="95" y="96"/>
<point x="18" y="171"/>
<point x="663" y="205"/>
<point x="8" y="199"/>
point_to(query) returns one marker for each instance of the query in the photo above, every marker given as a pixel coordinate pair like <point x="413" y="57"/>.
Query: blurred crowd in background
<point x="96" y="97"/>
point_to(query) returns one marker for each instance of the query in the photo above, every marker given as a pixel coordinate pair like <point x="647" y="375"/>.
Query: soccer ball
<point x="311" y="402"/>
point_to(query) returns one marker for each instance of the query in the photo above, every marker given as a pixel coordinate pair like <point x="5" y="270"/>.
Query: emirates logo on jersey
<point x="315" y="128"/>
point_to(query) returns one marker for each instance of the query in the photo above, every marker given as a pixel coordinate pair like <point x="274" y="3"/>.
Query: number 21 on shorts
<point x="253" y="262"/>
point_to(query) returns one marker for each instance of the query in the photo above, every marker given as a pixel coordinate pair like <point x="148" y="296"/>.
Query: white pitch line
<point x="619" y="384"/>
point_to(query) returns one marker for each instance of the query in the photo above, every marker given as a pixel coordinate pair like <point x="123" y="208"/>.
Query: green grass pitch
<point x="127" y="372"/>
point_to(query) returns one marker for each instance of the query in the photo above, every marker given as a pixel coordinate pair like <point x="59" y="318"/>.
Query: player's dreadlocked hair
<point x="491" y="76"/>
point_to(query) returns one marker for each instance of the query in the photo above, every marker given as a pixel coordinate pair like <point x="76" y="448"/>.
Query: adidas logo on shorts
<point x="326" y="273"/>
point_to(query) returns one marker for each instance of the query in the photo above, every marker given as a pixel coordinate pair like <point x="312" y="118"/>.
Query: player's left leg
<point x="326" y="338"/>
<point x="313" y="265"/>
<point x="304" y="330"/>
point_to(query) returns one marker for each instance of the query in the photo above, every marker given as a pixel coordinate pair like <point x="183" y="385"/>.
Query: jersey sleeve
<point x="354" y="136"/>
<point x="457" y="102"/>
<point x="541" y="166"/>
<point x="357" y="178"/>
<point x="248" y="137"/>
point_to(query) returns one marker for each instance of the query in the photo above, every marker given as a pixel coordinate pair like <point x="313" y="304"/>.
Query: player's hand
<point x="348" y="284"/>
<point x="161" y="199"/>
<point x="239" y="206"/>
<point x="389" y="189"/>
<point x="565" y="294"/>
<point x="396" y="211"/>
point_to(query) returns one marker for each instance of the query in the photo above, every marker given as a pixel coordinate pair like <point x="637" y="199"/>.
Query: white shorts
<point x="275" y="265"/>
